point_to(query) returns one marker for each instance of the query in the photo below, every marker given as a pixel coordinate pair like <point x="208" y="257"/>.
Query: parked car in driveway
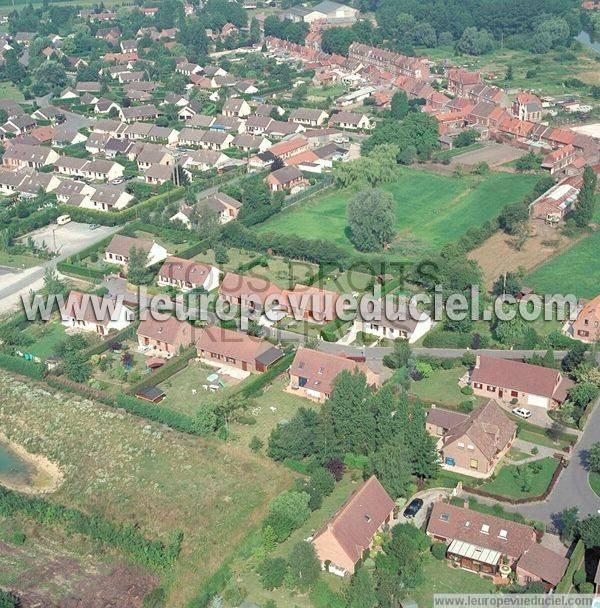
<point x="521" y="412"/>
<point x="413" y="508"/>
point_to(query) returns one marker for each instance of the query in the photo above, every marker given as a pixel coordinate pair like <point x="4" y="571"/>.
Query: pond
<point x="25" y="472"/>
<point x="587" y="40"/>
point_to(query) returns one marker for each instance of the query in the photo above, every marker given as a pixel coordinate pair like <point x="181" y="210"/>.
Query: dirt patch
<point x="50" y="578"/>
<point x="497" y="255"/>
<point x="493" y="154"/>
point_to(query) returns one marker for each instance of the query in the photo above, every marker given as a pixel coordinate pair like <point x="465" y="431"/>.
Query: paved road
<point x="572" y="488"/>
<point x="13" y="286"/>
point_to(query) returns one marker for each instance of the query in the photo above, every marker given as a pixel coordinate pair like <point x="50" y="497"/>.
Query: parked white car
<point x="521" y="412"/>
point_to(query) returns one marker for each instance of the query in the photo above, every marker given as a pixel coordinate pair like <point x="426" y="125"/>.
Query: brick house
<point x="558" y="160"/>
<point x="461" y="81"/>
<point x="344" y="539"/>
<point x="474" y="443"/>
<point x="237" y="349"/>
<point x="518" y="383"/>
<point x="527" y="106"/>
<point x="187" y="274"/>
<point x="164" y="338"/>
<point x="482" y="543"/>
<point x="558" y="201"/>
<point x="313" y="373"/>
<point x="586" y="327"/>
<point x="248" y="293"/>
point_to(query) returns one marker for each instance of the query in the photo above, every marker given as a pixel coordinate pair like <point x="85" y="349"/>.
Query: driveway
<point x="429" y="497"/>
<point x="68" y="238"/>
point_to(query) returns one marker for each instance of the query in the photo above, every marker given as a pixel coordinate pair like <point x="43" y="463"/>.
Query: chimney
<point x="466" y="503"/>
<point x="477" y="362"/>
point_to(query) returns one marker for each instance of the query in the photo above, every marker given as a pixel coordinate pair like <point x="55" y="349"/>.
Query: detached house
<point x="119" y="249"/>
<point x="473" y="443"/>
<point x="586" y="328"/>
<point x="343" y="540"/>
<point x="236" y="107"/>
<point x="164" y="338"/>
<point x="482" y="543"/>
<point x="236" y="349"/>
<point x="286" y="178"/>
<point x="91" y="313"/>
<point x="313" y="373"/>
<point x="518" y="383"/>
<point x="248" y="293"/>
<point x="351" y="121"/>
<point x="187" y="274"/>
<point x="226" y="208"/>
<point x="310" y="117"/>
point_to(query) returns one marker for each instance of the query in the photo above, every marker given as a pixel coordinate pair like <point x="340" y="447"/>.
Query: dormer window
<point x="367" y="518"/>
<point x="444" y="517"/>
<point x="467" y="524"/>
<point x="502" y="534"/>
<point x="485" y="529"/>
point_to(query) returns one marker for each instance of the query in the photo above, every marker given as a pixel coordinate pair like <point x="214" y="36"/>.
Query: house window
<point x="514" y="393"/>
<point x="474" y="463"/>
<point x="485" y="529"/>
<point x="492" y="389"/>
<point x="477" y="385"/>
<point x="461" y="444"/>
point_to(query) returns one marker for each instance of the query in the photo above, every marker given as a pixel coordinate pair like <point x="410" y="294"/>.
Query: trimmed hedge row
<point x="256" y="384"/>
<point x="77" y="270"/>
<point x="37" y="371"/>
<point x="104" y="345"/>
<point x="126" y="538"/>
<point x="158" y="413"/>
<point x="175" y="365"/>
<point x="330" y="331"/>
<point x="110" y="218"/>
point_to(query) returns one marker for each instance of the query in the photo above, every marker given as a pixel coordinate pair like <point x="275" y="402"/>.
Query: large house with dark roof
<point x="344" y="539"/>
<point x="473" y="443"/>
<point x="518" y="383"/>
<point x="482" y="543"/>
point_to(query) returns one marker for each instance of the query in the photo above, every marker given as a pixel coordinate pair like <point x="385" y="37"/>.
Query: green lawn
<point x="10" y="91"/>
<point x="542" y="438"/>
<point x="18" y="260"/>
<point x="46" y="337"/>
<point x="434" y="209"/>
<point x="184" y="390"/>
<point x="595" y="482"/>
<point x="270" y="408"/>
<point x="441" y="577"/>
<point x="504" y="482"/>
<point x="575" y="271"/>
<point x="442" y="387"/>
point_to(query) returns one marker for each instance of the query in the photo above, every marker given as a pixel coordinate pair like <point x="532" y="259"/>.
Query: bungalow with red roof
<point x="247" y="292"/>
<point x="313" y="373"/>
<point x="518" y="383"/>
<point x="343" y="540"/>
<point x="164" y="338"/>
<point x="472" y="443"/>
<point x="310" y="303"/>
<point x="286" y="178"/>
<point x="92" y="313"/>
<point x="236" y="349"/>
<point x="187" y="274"/>
<point x="482" y="543"/>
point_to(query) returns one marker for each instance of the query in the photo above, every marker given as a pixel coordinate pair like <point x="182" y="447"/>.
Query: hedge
<point x="116" y="218"/>
<point x="259" y="382"/>
<point x="77" y="270"/>
<point x="173" y="366"/>
<point x="126" y="538"/>
<point x="330" y="332"/>
<point x="37" y="371"/>
<point x="104" y="345"/>
<point x="446" y="339"/>
<point x="576" y="558"/>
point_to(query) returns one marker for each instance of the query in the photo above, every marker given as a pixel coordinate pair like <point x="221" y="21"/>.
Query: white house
<point x="118" y="250"/>
<point x="92" y="313"/>
<point x="186" y="275"/>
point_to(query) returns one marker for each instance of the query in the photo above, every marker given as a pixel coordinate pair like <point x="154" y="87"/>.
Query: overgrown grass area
<point x="574" y="271"/>
<point x="434" y="209"/>
<point x="506" y="481"/>
<point x="8" y="90"/>
<point x="132" y="471"/>
<point x="18" y="260"/>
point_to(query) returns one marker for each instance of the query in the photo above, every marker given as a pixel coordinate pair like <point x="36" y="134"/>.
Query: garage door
<point x="537" y="401"/>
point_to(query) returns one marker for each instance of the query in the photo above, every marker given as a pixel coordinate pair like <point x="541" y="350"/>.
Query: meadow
<point x="124" y="468"/>
<point x="431" y="208"/>
<point x="574" y="271"/>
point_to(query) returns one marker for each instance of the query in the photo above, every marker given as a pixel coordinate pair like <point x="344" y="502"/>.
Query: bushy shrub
<point x="438" y="550"/>
<point x="467" y="390"/>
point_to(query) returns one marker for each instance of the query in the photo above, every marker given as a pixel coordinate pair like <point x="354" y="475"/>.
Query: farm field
<point x="574" y="271"/>
<point x="450" y="204"/>
<point x="122" y="467"/>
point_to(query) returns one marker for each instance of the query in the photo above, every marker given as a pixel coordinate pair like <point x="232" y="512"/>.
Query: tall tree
<point x="391" y="464"/>
<point x="361" y="591"/>
<point x="399" y="105"/>
<point x="586" y="200"/>
<point x="371" y="217"/>
<point x="424" y="457"/>
<point x="304" y="567"/>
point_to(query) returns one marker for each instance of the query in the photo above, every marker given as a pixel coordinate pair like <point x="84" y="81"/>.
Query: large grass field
<point x="575" y="271"/>
<point x="432" y="208"/>
<point x="133" y="471"/>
